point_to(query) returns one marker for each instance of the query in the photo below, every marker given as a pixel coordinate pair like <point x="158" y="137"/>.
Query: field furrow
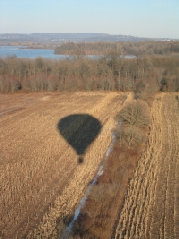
<point x="150" y="208"/>
<point x="41" y="180"/>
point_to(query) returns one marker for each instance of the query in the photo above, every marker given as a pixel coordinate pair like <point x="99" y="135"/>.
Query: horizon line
<point x="100" y="33"/>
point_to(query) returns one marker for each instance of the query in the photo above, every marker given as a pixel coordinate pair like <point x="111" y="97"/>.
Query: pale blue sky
<point x="145" y="18"/>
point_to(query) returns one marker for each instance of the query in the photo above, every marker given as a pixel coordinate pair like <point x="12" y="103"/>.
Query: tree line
<point x="108" y="73"/>
<point x="120" y="48"/>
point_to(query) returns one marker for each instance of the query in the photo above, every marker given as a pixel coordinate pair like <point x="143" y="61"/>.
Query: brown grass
<point x="97" y="219"/>
<point x="136" y="113"/>
<point x="40" y="179"/>
<point x="101" y="210"/>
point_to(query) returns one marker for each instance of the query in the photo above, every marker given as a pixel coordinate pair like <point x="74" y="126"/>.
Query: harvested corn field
<point x="47" y="160"/>
<point x="151" y="205"/>
<point x="43" y="173"/>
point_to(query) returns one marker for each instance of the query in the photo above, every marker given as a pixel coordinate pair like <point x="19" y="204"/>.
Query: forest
<point x="140" y="48"/>
<point x="107" y="73"/>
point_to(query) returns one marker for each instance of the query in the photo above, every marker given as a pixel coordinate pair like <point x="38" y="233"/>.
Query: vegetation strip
<point x="89" y="188"/>
<point x="98" y="216"/>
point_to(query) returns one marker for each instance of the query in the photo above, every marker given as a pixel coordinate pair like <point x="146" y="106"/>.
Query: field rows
<point x="151" y="206"/>
<point x="41" y="181"/>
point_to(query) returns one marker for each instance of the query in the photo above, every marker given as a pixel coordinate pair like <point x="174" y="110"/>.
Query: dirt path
<point x="151" y="206"/>
<point x="40" y="180"/>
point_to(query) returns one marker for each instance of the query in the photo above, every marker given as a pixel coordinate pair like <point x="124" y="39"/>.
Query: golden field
<point x="151" y="206"/>
<point x="40" y="179"/>
<point x="42" y="182"/>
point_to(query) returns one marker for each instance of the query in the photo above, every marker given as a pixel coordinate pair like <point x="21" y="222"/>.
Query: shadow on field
<point x="79" y="130"/>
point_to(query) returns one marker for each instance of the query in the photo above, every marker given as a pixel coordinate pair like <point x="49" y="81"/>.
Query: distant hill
<point x="70" y="37"/>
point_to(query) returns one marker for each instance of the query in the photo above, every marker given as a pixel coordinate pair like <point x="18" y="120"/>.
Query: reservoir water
<point x="15" y="51"/>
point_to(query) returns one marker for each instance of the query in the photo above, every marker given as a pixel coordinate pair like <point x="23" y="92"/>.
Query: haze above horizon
<point x="149" y="18"/>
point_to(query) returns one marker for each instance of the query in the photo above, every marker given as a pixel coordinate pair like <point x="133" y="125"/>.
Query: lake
<point x="15" y="51"/>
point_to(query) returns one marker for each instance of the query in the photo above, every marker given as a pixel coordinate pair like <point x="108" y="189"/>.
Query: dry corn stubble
<point x="40" y="178"/>
<point x="151" y="207"/>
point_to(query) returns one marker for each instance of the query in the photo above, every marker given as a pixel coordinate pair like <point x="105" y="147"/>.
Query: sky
<point x="143" y="18"/>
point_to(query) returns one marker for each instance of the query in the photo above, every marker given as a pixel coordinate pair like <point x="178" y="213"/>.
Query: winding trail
<point x="151" y="206"/>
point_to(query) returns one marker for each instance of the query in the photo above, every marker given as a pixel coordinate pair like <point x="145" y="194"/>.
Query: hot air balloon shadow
<point x="79" y="130"/>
